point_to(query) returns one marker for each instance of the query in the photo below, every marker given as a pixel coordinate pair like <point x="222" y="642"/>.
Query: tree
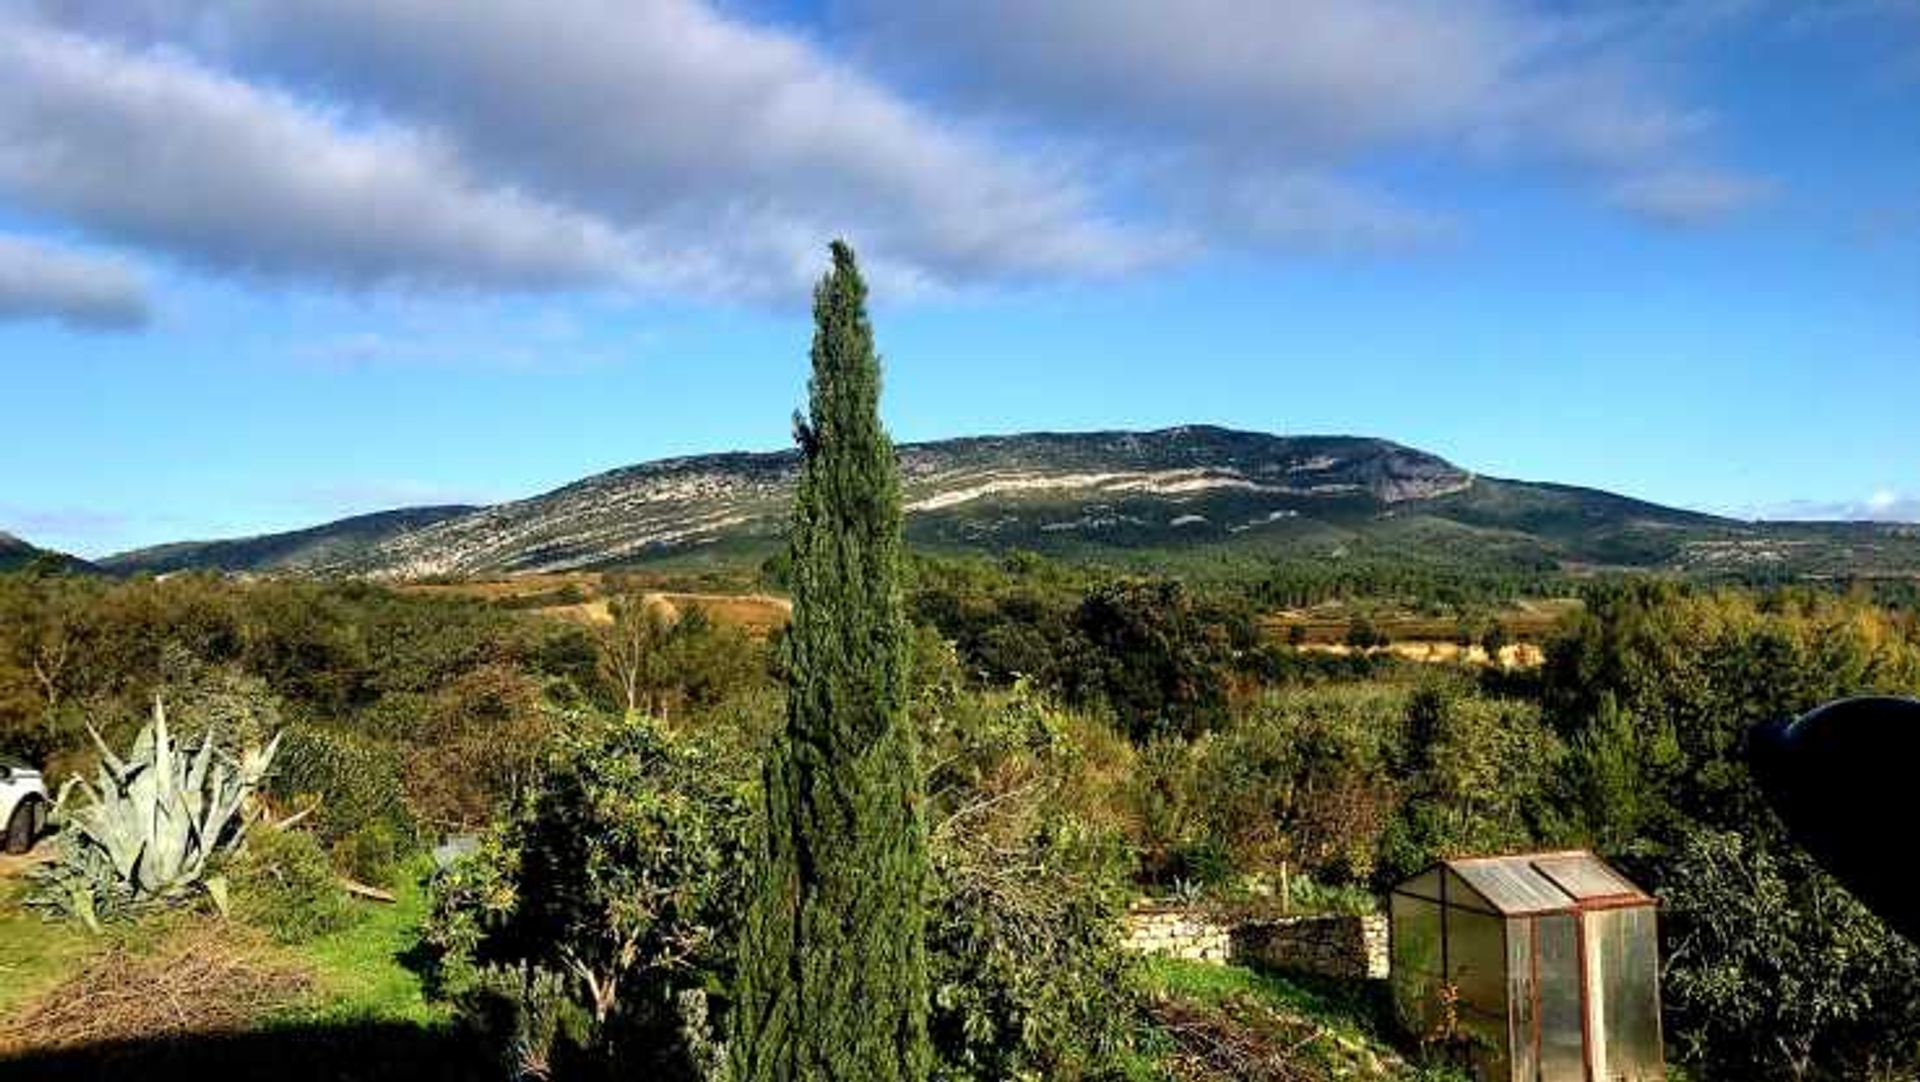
<point x="1773" y="971"/>
<point x="1151" y="653"/>
<point x="632" y="649"/>
<point x="832" y="978"/>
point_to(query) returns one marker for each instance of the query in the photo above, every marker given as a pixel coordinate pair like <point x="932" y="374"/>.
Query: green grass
<point x="360" y="972"/>
<point x="1357" y="1013"/>
<point x="35" y="955"/>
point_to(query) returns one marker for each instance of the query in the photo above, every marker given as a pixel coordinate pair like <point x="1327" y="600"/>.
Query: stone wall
<point x="1173" y="931"/>
<point x="1333" y="945"/>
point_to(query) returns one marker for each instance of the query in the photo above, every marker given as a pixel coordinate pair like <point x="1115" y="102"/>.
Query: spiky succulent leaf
<point x="146" y="832"/>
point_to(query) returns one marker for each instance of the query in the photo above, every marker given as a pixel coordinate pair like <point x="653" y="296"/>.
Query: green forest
<point x="1086" y="738"/>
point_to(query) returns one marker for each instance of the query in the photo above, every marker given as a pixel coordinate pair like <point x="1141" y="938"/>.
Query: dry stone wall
<point x="1333" y="945"/>
<point x="1177" y="932"/>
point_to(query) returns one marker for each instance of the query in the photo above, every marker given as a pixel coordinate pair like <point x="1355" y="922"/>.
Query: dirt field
<point x="1519" y="655"/>
<point x="11" y="865"/>
<point x="1417" y="637"/>
<point x="580" y="596"/>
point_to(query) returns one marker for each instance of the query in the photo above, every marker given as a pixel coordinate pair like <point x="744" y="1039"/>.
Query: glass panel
<point x="1477" y="966"/>
<point x="1464" y="894"/>
<point x="1557" y="973"/>
<point x="1425" y="885"/>
<point x="1415" y="975"/>
<point x="1623" y="999"/>
<point x="1521" y="1020"/>
<point x="1512" y="885"/>
<point x="1583" y="876"/>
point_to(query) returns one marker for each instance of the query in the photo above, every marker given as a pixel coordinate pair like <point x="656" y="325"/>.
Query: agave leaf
<point x="82" y="901"/>
<point x="108" y="758"/>
<point x="147" y="831"/>
<point x="217" y="890"/>
<point x="197" y="776"/>
<point x="164" y="769"/>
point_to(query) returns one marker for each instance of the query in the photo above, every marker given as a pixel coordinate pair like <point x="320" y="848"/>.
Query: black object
<point x="1846" y="780"/>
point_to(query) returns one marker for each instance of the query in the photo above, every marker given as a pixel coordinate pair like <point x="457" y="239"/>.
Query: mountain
<point x="1139" y="495"/>
<point x="300" y="550"/>
<point x="16" y="554"/>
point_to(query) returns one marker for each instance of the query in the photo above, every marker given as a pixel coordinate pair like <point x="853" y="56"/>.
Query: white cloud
<point x="673" y="146"/>
<point x="1313" y="212"/>
<point x="1686" y="197"/>
<point x="150" y="149"/>
<point x="1883" y="505"/>
<point x="90" y="292"/>
<point x="1313" y="87"/>
<point x="723" y="154"/>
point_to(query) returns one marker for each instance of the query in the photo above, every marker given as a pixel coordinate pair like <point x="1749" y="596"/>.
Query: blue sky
<point x="265" y="265"/>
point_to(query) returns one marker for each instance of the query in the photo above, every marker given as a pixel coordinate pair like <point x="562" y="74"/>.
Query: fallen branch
<point x="362" y="890"/>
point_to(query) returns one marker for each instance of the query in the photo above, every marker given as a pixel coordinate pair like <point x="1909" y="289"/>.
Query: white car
<point x="23" y="807"/>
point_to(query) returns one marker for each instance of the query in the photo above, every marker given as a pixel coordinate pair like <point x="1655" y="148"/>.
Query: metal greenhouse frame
<point x="1538" y="967"/>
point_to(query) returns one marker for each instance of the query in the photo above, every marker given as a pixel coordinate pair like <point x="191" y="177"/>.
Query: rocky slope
<point x="1101" y="493"/>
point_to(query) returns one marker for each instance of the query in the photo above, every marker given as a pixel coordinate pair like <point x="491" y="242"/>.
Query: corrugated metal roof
<point x="1546" y="882"/>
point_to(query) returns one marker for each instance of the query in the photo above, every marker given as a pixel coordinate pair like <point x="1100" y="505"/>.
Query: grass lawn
<point x="35" y="955"/>
<point x="1335" y="1029"/>
<point x="361" y="972"/>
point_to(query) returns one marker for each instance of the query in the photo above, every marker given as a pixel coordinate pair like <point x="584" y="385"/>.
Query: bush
<point x="1023" y="923"/>
<point x="621" y="873"/>
<point x="1774" y="971"/>
<point x="1029" y="980"/>
<point x="524" y="1015"/>
<point x="283" y="883"/>
<point x="353" y="784"/>
<point x="375" y="854"/>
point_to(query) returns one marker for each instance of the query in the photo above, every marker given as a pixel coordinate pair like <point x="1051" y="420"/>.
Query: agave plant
<point x="142" y="834"/>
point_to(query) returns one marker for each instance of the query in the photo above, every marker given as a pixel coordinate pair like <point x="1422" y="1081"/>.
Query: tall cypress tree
<point x="832" y="981"/>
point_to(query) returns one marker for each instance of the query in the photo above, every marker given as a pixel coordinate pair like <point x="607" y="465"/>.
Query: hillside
<point x="1102" y="494"/>
<point x="16" y="554"/>
<point x="298" y="550"/>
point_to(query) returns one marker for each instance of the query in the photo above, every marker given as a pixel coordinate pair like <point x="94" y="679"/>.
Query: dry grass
<point x="206" y="976"/>
<point x="757" y="614"/>
<point x="1519" y="655"/>
<point x="1247" y="1040"/>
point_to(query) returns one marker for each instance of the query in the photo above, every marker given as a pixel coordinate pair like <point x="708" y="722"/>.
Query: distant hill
<point x="16" y="554"/>
<point x="300" y="550"/>
<point x="1136" y="495"/>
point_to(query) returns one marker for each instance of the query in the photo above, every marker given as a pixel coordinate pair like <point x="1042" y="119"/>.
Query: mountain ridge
<point x="1075" y="493"/>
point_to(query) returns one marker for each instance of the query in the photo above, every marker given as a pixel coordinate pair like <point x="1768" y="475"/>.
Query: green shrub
<point x="525" y="1016"/>
<point x="373" y="854"/>
<point x="353" y="785"/>
<point x="1026" y="898"/>
<point x="283" y="883"/>
<point x="621" y="873"/>
<point x="1029" y="980"/>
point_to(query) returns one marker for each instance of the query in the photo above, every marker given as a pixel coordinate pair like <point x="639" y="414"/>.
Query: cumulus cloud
<point x="1315" y="85"/>
<point x="150" y="149"/>
<point x="676" y="146"/>
<point x="89" y="292"/>
<point x="721" y="152"/>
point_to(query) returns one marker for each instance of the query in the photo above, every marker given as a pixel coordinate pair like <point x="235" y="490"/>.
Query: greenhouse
<point x="1540" y="967"/>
